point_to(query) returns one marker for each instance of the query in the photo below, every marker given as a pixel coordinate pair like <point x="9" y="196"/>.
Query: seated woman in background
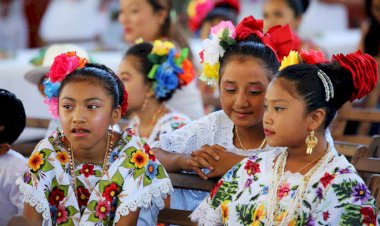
<point x="308" y="183"/>
<point x="242" y="67"/>
<point x="281" y="12"/>
<point x="151" y="75"/>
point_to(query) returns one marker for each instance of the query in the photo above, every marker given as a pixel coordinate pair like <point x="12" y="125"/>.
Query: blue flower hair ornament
<point x="171" y="70"/>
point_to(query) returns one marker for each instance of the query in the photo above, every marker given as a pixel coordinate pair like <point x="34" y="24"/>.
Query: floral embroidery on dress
<point x="134" y="175"/>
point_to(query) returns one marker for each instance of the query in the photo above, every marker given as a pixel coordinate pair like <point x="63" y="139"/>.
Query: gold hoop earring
<point x="143" y="107"/>
<point x="311" y="141"/>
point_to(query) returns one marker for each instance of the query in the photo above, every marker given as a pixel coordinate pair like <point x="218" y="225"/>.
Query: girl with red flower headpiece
<point x="242" y="61"/>
<point x="307" y="183"/>
<point x="87" y="174"/>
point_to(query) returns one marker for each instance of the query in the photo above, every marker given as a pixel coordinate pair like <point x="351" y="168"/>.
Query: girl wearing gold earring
<point x="307" y="183"/>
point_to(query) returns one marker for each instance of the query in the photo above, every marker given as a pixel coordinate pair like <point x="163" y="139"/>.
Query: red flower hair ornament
<point x="364" y="71"/>
<point x="279" y="39"/>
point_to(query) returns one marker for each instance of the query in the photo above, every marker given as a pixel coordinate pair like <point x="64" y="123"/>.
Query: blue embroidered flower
<point x="344" y="171"/>
<point x="151" y="170"/>
<point x="360" y="192"/>
<point x="114" y="155"/>
<point x="311" y="221"/>
<point x="264" y="190"/>
<point x="51" y="89"/>
<point x="53" y="214"/>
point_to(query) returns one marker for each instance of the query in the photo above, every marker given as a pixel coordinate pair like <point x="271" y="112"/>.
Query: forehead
<point x="277" y="4"/>
<point x="82" y="89"/>
<point x="127" y="3"/>
<point x="280" y="88"/>
<point x="244" y="69"/>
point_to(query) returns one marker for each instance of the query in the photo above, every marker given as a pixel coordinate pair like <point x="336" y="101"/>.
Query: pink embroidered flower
<point x="61" y="214"/>
<point x="326" y="179"/>
<point x="63" y="65"/>
<point x="103" y="208"/>
<point x="87" y="170"/>
<point x="218" y="29"/>
<point x="53" y="106"/>
<point x="283" y="190"/>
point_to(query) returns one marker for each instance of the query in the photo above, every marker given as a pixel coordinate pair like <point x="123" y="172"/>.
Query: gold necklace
<point x="241" y="143"/>
<point x="105" y="160"/>
<point x="319" y="156"/>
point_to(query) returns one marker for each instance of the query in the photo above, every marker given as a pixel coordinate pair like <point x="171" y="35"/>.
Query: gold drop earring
<point x="311" y="141"/>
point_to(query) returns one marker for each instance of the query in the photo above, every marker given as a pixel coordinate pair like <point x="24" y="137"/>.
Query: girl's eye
<point x="229" y="90"/>
<point x="67" y="107"/>
<point x="255" y="92"/>
<point x="92" y="107"/>
<point x="279" y="108"/>
<point x="265" y="107"/>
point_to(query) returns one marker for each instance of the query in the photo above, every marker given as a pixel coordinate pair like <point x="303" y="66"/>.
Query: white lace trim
<point x="34" y="199"/>
<point x="205" y="215"/>
<point x="154" y="195"/>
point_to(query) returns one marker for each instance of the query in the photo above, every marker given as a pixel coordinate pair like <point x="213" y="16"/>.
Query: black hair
<point x="142" y="51"/>
<point x="12" y="117"/>
<point x="372" y="38"/>
<point x="298" y="6"/>
<point x="224" y="11"/>
<point x="101" y="75"/>
<point x="304" y="82"/>
<point x="252" y="46"/>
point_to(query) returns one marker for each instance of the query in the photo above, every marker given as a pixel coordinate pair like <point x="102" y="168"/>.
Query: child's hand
<point x="206" y="157"/>
<point x="226" y="162"/>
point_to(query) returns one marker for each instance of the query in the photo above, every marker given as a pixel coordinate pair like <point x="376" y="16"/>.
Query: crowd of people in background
<point x="250" y="109"/>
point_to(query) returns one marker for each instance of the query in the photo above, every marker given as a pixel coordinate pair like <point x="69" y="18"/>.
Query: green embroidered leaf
<point x="79" y="183"/>
<point x="46" y="152"/>
<point x="307" y="204"/>
<point x="72" y="211"/>
<point x="98" y="173"/>
<point x="91" y="205"/>
<point x="64" y="188"/>
<point x="47" y="166"/>
<point x="146" y="181"/>
<point x="351" y="215"/>
<point x="130" y="151"/>
<point x="138" y="172"/>
<point x="225" y="192"/>
<point x="161" y="172"/>
<point x="127" y="164"/>
<point x="245" y="214"/>
<point x="315" y="185"/>
<point x="343" y="190"/>
<point x="254" y="197"/>
<point x="54" y="183"/>
<point x="118" y="178"/>
<point x="103" y="184"/>
<point x="93" y="218"/>
<point x="69" y="222"/>
<point x="77" y="172"/>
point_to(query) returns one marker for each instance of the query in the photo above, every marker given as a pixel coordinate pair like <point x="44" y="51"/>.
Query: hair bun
<point x="363" y="69"/>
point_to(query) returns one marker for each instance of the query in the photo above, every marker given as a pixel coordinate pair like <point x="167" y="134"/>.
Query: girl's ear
<point x="116" y="115"/>
<point x="317" y="118"/>
<point x="4" y="148"/>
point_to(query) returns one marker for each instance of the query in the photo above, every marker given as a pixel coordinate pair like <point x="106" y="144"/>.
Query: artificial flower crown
<point x="62" y="66"/>
<point x="225" y="35"/>
<point x="170" y="70"/>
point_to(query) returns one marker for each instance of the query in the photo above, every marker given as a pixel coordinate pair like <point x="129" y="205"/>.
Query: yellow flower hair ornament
<point x="308" y="57"/>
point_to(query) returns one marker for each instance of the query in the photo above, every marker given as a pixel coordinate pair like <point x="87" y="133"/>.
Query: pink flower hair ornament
<point x="63" y="65"/>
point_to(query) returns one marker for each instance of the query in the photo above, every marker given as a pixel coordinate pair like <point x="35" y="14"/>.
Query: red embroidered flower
<point x="369" y="217"/>
<point x="149" y="152"/>
<point x="87" y="170"/>
<point x="248" y="26"/>
<point x="216" y="188"/>
<point x="56" y="196"/>
<point x="83" y="196"/>
<point x="283" y="191"/>
<point x="202" y="55"/>
<point x="326" y="179"/>
<point x="326" y="215"/>
<point x="252" y="168"/>
<point x="61" y="214"/>
<point x="111" y="191"/>
<point x="313" y="56"/>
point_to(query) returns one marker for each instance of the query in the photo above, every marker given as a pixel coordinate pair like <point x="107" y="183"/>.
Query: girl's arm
<point x="130" y="219"/>
<point x="34" y="218"/>
<point x="173" y="162"/>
